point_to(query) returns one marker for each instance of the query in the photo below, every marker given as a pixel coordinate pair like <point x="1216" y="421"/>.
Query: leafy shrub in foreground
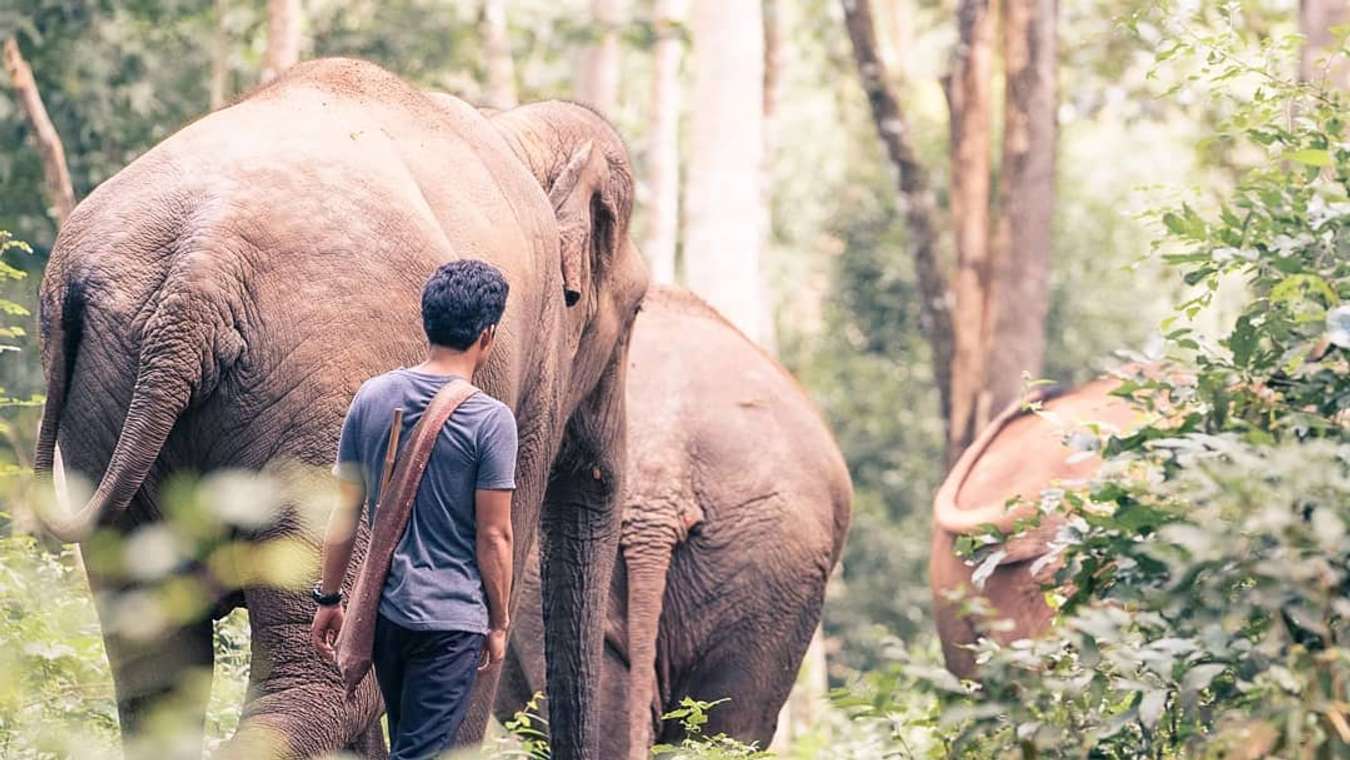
<point x="1202" y="592"/>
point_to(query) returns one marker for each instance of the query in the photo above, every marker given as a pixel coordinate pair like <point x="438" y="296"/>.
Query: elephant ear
<point x="586" y="214"/>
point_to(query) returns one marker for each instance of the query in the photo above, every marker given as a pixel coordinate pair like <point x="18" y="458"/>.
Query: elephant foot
<point x="370" y="743"/>
<point x="297" y="707"/>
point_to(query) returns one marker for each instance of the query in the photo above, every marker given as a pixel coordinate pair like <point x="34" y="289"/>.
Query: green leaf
<point x="1152" y="706"/>
<point x="1312" y="157"/>
<point x="1200" y="676"/>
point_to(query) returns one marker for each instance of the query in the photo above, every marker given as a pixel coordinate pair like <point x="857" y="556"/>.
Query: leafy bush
<point x="1202" y="589"/>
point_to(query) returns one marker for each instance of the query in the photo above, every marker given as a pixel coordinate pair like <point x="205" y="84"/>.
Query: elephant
<point x="734" y="514"/>
<point x="1017" y="456"/>
<point x="215" y="305"/>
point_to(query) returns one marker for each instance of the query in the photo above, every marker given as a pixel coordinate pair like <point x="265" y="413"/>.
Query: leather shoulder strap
<point x="412" y="461"/>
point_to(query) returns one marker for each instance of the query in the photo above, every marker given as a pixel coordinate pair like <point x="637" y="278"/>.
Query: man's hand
<point x="325" y="629"/>
<point x="494" y="651"/>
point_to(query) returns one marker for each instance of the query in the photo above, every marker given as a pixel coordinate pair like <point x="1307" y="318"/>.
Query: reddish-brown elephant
<point x="1018" y="455"/>
<point x="736" y="506"/>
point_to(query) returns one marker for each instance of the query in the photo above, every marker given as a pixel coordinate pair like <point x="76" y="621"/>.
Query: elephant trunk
<point x="169" y="372"/>
<point x="647" y="563"/>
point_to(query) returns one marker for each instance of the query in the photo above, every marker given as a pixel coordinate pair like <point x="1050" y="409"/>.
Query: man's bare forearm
<point x="340" y="537"/>
<point x="494" y="564"/>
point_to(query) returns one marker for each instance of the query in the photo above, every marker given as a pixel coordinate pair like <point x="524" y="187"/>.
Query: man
<point x="443" y="608"/>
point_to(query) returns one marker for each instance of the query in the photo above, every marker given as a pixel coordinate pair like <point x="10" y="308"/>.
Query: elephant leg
<point x="647" y="561"/>
<point x="296" y="705"/>
<point x="523" y="671"/>
<point x="162" y="681"/>
<point x="754" y="667"/>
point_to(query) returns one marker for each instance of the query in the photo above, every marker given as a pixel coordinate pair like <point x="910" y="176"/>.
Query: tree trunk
<point x="723" y="201"/>
<point x="916" y="196"/>
<point x="968" y="90"/>
<point x="220" y="57"/>
<point x="598" y="74"/>
<point x="501" y="70"/>
<point x="283" y="37"/>
<point x="1019" y="296"/>
<point x="663" y="159"/>
<point x="773" y="57"/>
<point x="1315" y="20"/>
<point x="895" y="22"/>
<point x="58" y="189"/>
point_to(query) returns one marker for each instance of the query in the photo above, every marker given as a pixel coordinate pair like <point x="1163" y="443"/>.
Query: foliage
<point x="56" y="697"/>
<point x="1202" y="576"/>
<point x="692" y="715"/>
<point x="526" y="735"/>
<point x="10" y="335"/>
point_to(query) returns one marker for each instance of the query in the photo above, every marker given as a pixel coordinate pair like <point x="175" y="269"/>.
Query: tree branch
<point x="916" y="195"/>
<point x="60" y="193"/>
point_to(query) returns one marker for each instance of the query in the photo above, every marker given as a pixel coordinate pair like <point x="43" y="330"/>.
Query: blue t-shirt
<point x="433" y="582"/>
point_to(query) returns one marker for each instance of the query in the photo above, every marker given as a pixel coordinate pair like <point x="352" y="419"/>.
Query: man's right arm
<point x="341" y="534"/>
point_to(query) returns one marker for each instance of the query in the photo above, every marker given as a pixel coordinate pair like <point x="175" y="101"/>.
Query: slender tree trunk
<point x="220" y="56"/>
<point x="773" y="57"/>
<point x="916" y="195"/>
<point x="283" y="37"/>
<point x="773" y="70"/>
<point x="723" y="200"/>
<point x="663" y="182"/>
<point x="968" y="92"/>
<point x="895" y="33"/>
<point x="598" y="74"/>
<point x="1019" y="295"/>
<point x="501" y="70"/>
<point x="1315" y="20"/>
<point x="57" y="187"/>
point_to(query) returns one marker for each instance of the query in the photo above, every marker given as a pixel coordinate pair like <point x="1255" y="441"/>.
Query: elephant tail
<point x="61" y="334"/>
<point x="648" y="563"/>
<point x="174" y="351"/>
<point x="949" y="514"/>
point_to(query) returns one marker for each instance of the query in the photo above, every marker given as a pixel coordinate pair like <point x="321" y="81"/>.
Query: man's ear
<point x="579" y="195"/>
<point x="485" y="340"/>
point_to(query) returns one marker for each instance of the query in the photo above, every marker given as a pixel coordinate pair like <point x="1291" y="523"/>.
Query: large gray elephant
<point x="215" y="305"/>
<point x="735" y="510"/>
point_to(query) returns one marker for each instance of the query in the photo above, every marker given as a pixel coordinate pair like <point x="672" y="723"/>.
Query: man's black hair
<point x="461" y="300"/>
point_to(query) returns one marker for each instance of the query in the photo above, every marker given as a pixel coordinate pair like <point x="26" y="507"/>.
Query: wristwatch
<point x="325" y="600"/>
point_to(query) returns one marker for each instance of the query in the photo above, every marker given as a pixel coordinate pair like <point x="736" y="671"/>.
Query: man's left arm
<point x="492" y="516"/>
<point x="494" y="549"/>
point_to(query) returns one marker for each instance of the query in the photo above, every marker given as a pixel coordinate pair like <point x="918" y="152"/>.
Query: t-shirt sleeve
<point x="497" y="451"/>
<point x="349" y="463"/>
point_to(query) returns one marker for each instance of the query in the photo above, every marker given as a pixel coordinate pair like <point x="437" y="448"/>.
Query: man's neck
<point x="447" y="361"/>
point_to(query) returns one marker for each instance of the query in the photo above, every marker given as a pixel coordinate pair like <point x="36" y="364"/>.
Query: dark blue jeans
<point x="425" y="678"/>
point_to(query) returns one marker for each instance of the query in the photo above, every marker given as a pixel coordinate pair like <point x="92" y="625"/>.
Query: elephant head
<point x="582" y="164"/>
